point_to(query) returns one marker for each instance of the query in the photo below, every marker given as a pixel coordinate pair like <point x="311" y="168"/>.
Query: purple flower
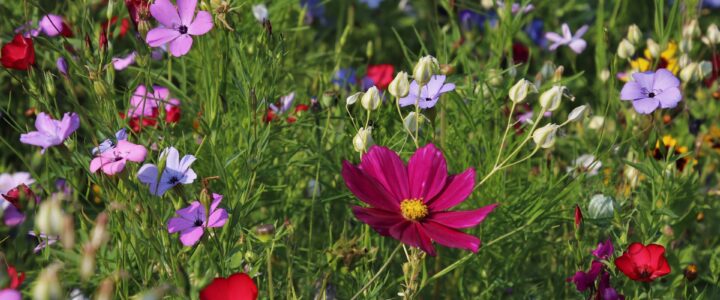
<point x="583" y="280"/>
<point x="193" y="220"/>
<point x="51" y="25"/>
<point x="535" y="32"/>
<point x="51" y="132"/>
<point x="178" y="25"/>
<point x="120" y="135"/>
<point x="285" y="104"/>
<point x="575" y="42"/>
<point x="315" y="11"/>
<point x="344" y="78"/>
<point x="650" y="90"/>
<point x="372" y="3"/>
<point x="10" y="294"/>
<point x="604" y="250"/>
<point x="62" y="65"/>
<point x="605" y="291"/>
<point x="44" y="240"/>
<point x="516" y="8"/>
<point x="121" y="63"/>
<point x="176" y="171"/>
<point x="430" y="93"/>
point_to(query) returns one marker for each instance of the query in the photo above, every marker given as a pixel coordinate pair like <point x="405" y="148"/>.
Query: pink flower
<point x="410" y="203"/>
<point x="51" y="132"/>
<point x="10" y="294"/>
<point x="178" y="25"/>
<point x="192" y="220"/>
<point x="145" y="104"/>
<point x="112" y="161"/>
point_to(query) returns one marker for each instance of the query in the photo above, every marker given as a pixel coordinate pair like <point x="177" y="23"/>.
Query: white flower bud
<point x="625" y="49"/>
<point x="712" y="34"/>
<point x="371" y="99"/>
<point x="353" y="98"/>
<point x="50" y="217"/>
<point x="684" y="60"/>
<point x="544" y="136"/>
<point x="604" y="75"/>
<point x="521" y="89"/>
<point x="548" y="69"/>
<point x="400" y="86"/>
<point x="596" y="122"/>
<point x="260" y="12"/>
<point x="704" y="67"/>
<point x="550" y="99"/>
<point x="99" y="235"/>
<point x="425" y="68"/>
<point x="634" y="34"/>
<point x="487" y="4"/>
<point x="653" y="47"/>
<point x="689" y="73"/>
<point x="87" y="262"/>
<point x="691" y="30"/>
<point x="313" y="189"/>
<point x="576" y="113"/>
<point x="47" y="286"/>
<point x="411" y="121"/>
<point x="363" y="139"/>
<point x="601" y="207"/>
<point x="686" y="45"/>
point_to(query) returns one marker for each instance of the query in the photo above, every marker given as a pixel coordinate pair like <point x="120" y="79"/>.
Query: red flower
<point x="238" y="286"/>
<point x="578" y="216"/>
<point x="19" y="54"/>
<point x="137" y="9"/>
<point x="521" y="53"/>
<point x="20" y="192"/>
<point x="16" y="279"/>
<point x="643" y="263"/>
<point x="381" y="75"/>
<point x="715" y="70"/>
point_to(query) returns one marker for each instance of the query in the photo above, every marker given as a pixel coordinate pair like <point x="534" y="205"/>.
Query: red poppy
<point x="238" y="286"/>
<point x="19" y="54"/>
<point x="643" y="263"/>
<point x="16" y="279"/>
<point x="381" y="75"/>
<point x="578" y="216"/>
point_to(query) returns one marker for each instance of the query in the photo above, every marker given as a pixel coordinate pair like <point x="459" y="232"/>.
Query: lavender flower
<point x="651" y="90"/>
<point x="121" y="63"/>
<point x="120" y="135"/>
<point x="51" y="132"/>
<point x="177" y="171"/>
<point x="193" y="220"/>
<point x="430" y="93"/>
<point x="178" y="25"/>
<point x="575" y="42"/>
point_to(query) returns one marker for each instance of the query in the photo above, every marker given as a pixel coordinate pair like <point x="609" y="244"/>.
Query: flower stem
<point x="375" y="277"/>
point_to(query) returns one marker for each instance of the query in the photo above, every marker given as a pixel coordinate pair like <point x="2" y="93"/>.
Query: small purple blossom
<point x="516" y="8"/>
<point x="10" y="294"/>
<point x="430" y="93"/>
<point x="575" y="42"/>
<point x="178" y="25"/>
<point x="585" y="280"/>
<point x="285" y="104"/>
<point x="650" y="90"/>
<point x="344" y="78"/>
<point x="192" y="220"/>
<point x="44" y="240"/>
<point x="62" y="65"/>
<point x="121" y="63"/>
<point x="51" y="132"/>
<point x="604" y="250"/>
<point x="315" y="11"/>
<point x="51" y="25"/>
<point x="177" y="171"/>
<point x="535" y="31"/>
<point x="120" y="135"/>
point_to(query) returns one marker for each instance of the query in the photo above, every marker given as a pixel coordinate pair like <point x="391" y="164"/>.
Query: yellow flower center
<point x="413" y="209"/>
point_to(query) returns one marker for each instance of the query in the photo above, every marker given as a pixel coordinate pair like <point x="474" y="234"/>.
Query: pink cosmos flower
<point x="193" y="220"/>
<point x="112" y="161"/>
<point x="410" y="202"/>
<point x="51" y="132"/>
<point x="178" y="25"/>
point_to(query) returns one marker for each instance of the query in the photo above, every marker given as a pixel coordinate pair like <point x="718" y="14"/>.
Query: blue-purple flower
<point x="575" y="42"/>
<point x="120" y="135"/>
<point x="650" y="90"/>
<point x="177" y="171"/>
<point x="535" y="32"/>
<point x="430" y="94"/>
<point x="344" y="78"/>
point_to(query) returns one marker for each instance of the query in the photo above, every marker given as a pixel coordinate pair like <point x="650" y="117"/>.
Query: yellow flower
<point x="712" y="138"/>
<point x="669" y="142"/>
<point x="668" y="60"/>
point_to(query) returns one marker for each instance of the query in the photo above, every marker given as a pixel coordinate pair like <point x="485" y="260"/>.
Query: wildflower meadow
<point x="359" y="149"/>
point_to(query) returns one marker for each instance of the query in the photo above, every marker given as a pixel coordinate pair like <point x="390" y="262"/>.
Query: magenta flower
<point x="121" y="63"/>
<point x="178" y="25"/>
<point x="112" y="161"/>
<point x="604" y="250"/>
<point x="410" y="203"/>
<point x="51" y="132"/>
<point x="52" y="25"/>
<point x="585" y="280"/>
<point x="193" y="220"/>
<point x="145" y="104"/>
<point x="10" y="294"/>
<point x="575" y="42"/>
<point x="650" y="90"/>
<point x="430" y="93"/>
<point x="177" y="171"/>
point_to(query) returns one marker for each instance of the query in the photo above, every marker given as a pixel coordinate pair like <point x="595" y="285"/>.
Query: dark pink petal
<point x="161" y="36"/>
<point x="181" y="45"/>
<point x="458" y="188"/>
<point x="427" y="172"/>
<point x="179" y="224"/>
<point x="378" y="219"/>
<point x="410" y="233"/>
<point x="202" y="24"/>
<point x="367" y="189"/>
<point x="191" y="236"/>
<point x="450" y="237"/>
<point x="462" y="219"/>
<point x="664" y="80"/>
<point x="186" y="8"/>
<point x="114" y="167"/>
<point x="631" y="91"/>
<point x="216" y="201"/>
<point x="670" y="97"/>
<point x="131" y="152"/>
<point x="385" y="166"/>
<point x="165" y="13"/>
<point x="217" y="218"/>
<point x="646" y="105"/>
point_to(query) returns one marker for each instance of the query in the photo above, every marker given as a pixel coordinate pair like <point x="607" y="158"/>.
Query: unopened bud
<point x="625" y="49"/>
<point x="684" y="60"/>
<point x="557" y="76"/>
<point x="371" y="99"/>
<point x="47" y="286"/>
<point x="363" y="139"/>
<point x="106" y="290"/>
<point x="521" y="89"/>
<point x="577" y="113"/>
<point x="544" y="136"/>
<point x="350" y="100"/>
<point x="50" y="217"/>
<point x="425" y="68"/>
<point x="634" y="34"/>
<point x="712" y="35"/>
<point x="654" y="48"/>
<point x="49" y="84"/>
<point x="87" y="262"/>
<point x="413" y="121"/>
<point x="400" y="86"/>
<point x="704" y="69"/>
<point x="67" y="237"/>
<point x="691" y="30"/>
<point x="601" y="207"/>
<point x="689" y="73"/>
<point x="550" y="99"/>
<point x="686" y="45"/>
<point x="265" y="232"/>
<point x="691" y="272"/>
<point x="99" y="235"/>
